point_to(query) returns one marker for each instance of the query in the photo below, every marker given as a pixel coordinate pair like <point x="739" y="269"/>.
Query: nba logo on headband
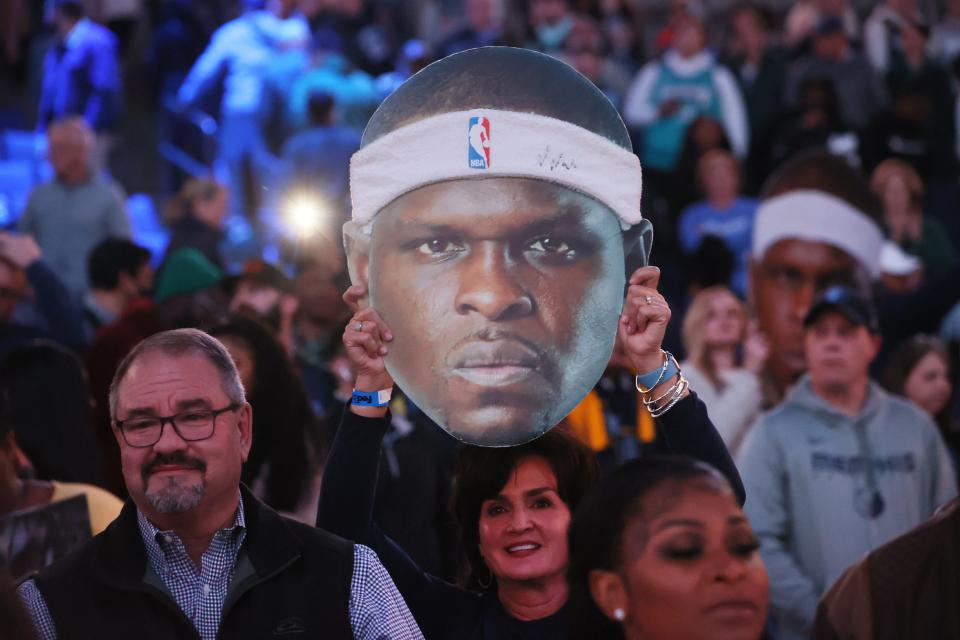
<point x="478" y="143"/>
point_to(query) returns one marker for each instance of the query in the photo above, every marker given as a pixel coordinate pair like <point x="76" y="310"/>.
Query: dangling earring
<point x="489" y="581"/>
<point x="619" y="614"/>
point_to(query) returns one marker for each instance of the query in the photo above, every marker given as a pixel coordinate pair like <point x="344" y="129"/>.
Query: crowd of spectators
<point x="746" y="118"/>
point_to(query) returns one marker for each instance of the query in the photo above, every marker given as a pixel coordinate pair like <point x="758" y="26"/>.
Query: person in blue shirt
<point x="81" y="75"/>
<point x="668" y="94"/>
<point x="723" y="213"/>
<point x="355" y="92"/>
<point x="318" y="158"/>
<point x="241" y="54"/>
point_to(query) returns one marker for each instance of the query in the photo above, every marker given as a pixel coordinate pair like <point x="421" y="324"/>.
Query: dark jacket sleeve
<point x="347" y="497"/>
<point x="63" y="316"/>
<point x="687" y="430"/>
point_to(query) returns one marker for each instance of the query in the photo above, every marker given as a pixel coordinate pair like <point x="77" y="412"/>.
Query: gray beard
<point x="176" y="498"/>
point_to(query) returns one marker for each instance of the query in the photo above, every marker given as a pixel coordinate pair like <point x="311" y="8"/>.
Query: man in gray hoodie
<point x="840" y="467"/>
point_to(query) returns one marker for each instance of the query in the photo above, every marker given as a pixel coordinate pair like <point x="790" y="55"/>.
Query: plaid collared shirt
<point x="200" y="593"/>
<point x="377" y="610"/>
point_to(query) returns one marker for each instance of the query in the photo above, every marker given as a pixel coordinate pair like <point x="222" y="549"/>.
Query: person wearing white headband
<point x="818" y="225"/>
<point x="496" y="217"/>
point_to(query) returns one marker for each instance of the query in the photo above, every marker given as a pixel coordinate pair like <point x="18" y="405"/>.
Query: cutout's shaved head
<point x="500" y="78"/>
<point x="823" y="171"/>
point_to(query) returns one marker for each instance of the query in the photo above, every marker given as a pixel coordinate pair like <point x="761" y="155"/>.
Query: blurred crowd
<point x="247" y="114"/>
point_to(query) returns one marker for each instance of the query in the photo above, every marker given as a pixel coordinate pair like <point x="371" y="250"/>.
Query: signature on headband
<point x="554" y="161"/>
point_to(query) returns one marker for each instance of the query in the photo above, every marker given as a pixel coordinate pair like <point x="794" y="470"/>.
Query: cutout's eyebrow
<point x="567" y="216"/>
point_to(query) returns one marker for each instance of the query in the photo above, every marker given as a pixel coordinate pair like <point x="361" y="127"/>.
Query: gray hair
<point x="183" y="342"/>
<point x="77" y="127"/>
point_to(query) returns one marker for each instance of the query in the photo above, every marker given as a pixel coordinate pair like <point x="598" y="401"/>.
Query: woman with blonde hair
<point x="900" y="191"/>
<point x="195" y="216"/>
<point x="723" y="359"/>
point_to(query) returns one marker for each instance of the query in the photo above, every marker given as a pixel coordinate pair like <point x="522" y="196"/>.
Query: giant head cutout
<point x="496" y="214"/>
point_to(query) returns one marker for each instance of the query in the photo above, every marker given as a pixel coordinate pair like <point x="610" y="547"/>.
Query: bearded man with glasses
<point x="194" y="554"/>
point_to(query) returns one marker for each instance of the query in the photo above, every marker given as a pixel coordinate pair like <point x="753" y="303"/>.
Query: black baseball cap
<point x="854" y="306"/>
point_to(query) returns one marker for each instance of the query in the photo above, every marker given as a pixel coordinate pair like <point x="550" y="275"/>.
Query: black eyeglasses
<point x="189" y="425"/>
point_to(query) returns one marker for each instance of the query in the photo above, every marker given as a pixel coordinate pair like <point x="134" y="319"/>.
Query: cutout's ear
<point x="356" y="243"/>
<point x="637" y="242"/>
<point x="609" y="593"/>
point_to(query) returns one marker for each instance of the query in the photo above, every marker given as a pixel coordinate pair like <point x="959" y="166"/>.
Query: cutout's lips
<point x="495" y="364"/>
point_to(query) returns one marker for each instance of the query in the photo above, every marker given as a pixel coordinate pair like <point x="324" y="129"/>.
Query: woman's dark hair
<point x="112" y="257"/>
<point x="285" y="429"/>
<point x="596" y="533"/>
<point x="902" y="363"/>
<point x="47" y="403"/>
<point x="482" y="472"/>
<point x="703" y="134"/>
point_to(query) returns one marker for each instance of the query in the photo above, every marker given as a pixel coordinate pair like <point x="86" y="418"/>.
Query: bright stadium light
<point x="305" y="214"/>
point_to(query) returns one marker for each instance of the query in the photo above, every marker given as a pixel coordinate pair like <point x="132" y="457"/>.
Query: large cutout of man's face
<point x="503" y="295"/>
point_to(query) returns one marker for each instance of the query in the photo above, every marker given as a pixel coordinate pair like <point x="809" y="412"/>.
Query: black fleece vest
<point x="291" y="581"/>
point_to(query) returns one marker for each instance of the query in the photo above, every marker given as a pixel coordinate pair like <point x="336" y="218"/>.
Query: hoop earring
<point x="489" y="582"/>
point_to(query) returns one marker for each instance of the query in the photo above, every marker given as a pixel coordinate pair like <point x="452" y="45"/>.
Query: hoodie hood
<point x="802" y="395"/>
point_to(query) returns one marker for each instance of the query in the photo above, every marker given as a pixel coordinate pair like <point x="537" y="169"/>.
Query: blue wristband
<point x="371" y="398"/>
<point x="647" y="381"/>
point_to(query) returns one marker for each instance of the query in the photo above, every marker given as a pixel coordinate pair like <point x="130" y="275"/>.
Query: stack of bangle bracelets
<point x="647" y="382"/>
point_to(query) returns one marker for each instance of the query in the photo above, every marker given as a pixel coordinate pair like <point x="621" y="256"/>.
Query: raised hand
<point x="365" y="339"/>
<point x="644" y="320"/>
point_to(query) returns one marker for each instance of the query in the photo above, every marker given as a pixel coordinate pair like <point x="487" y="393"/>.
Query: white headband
<point x="818" y="217"/>
<point x="487" y="143"/>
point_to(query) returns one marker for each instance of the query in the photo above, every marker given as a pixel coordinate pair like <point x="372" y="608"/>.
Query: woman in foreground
<point x="660" y="550"/>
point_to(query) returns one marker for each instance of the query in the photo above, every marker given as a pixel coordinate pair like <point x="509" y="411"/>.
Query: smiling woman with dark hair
<point x="482" y="495"/>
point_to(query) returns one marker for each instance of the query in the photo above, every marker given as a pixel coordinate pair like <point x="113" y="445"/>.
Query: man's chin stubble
<point x="176" y="498"/>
